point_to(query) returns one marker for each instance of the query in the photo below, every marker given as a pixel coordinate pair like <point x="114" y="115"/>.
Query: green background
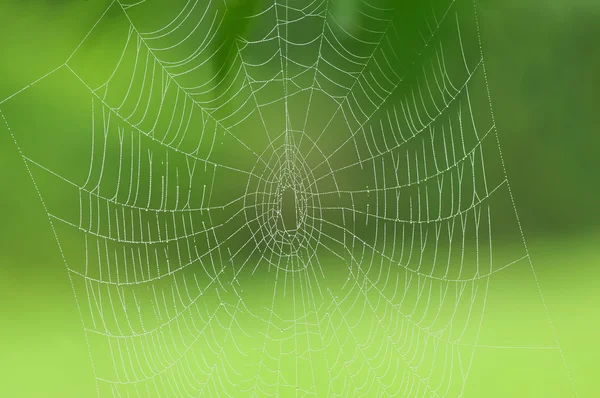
<point x="542" y="60"/>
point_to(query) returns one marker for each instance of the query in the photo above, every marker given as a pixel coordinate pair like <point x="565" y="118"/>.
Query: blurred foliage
<point x="543" y="60"/>
<point x="543" y="64"/>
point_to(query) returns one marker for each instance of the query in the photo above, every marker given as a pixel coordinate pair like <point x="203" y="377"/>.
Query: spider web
<point x="278" y="201"/>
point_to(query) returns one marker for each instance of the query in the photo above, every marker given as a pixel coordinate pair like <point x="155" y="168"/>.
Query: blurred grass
<point x="44" y="351"/>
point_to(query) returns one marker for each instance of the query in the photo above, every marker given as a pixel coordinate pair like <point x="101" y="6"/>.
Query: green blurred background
<point x="542" y="59"/>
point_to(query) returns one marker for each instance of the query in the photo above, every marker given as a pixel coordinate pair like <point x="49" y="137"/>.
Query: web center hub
<point x="288" y="210"/>
<point x="282" y="206"/>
